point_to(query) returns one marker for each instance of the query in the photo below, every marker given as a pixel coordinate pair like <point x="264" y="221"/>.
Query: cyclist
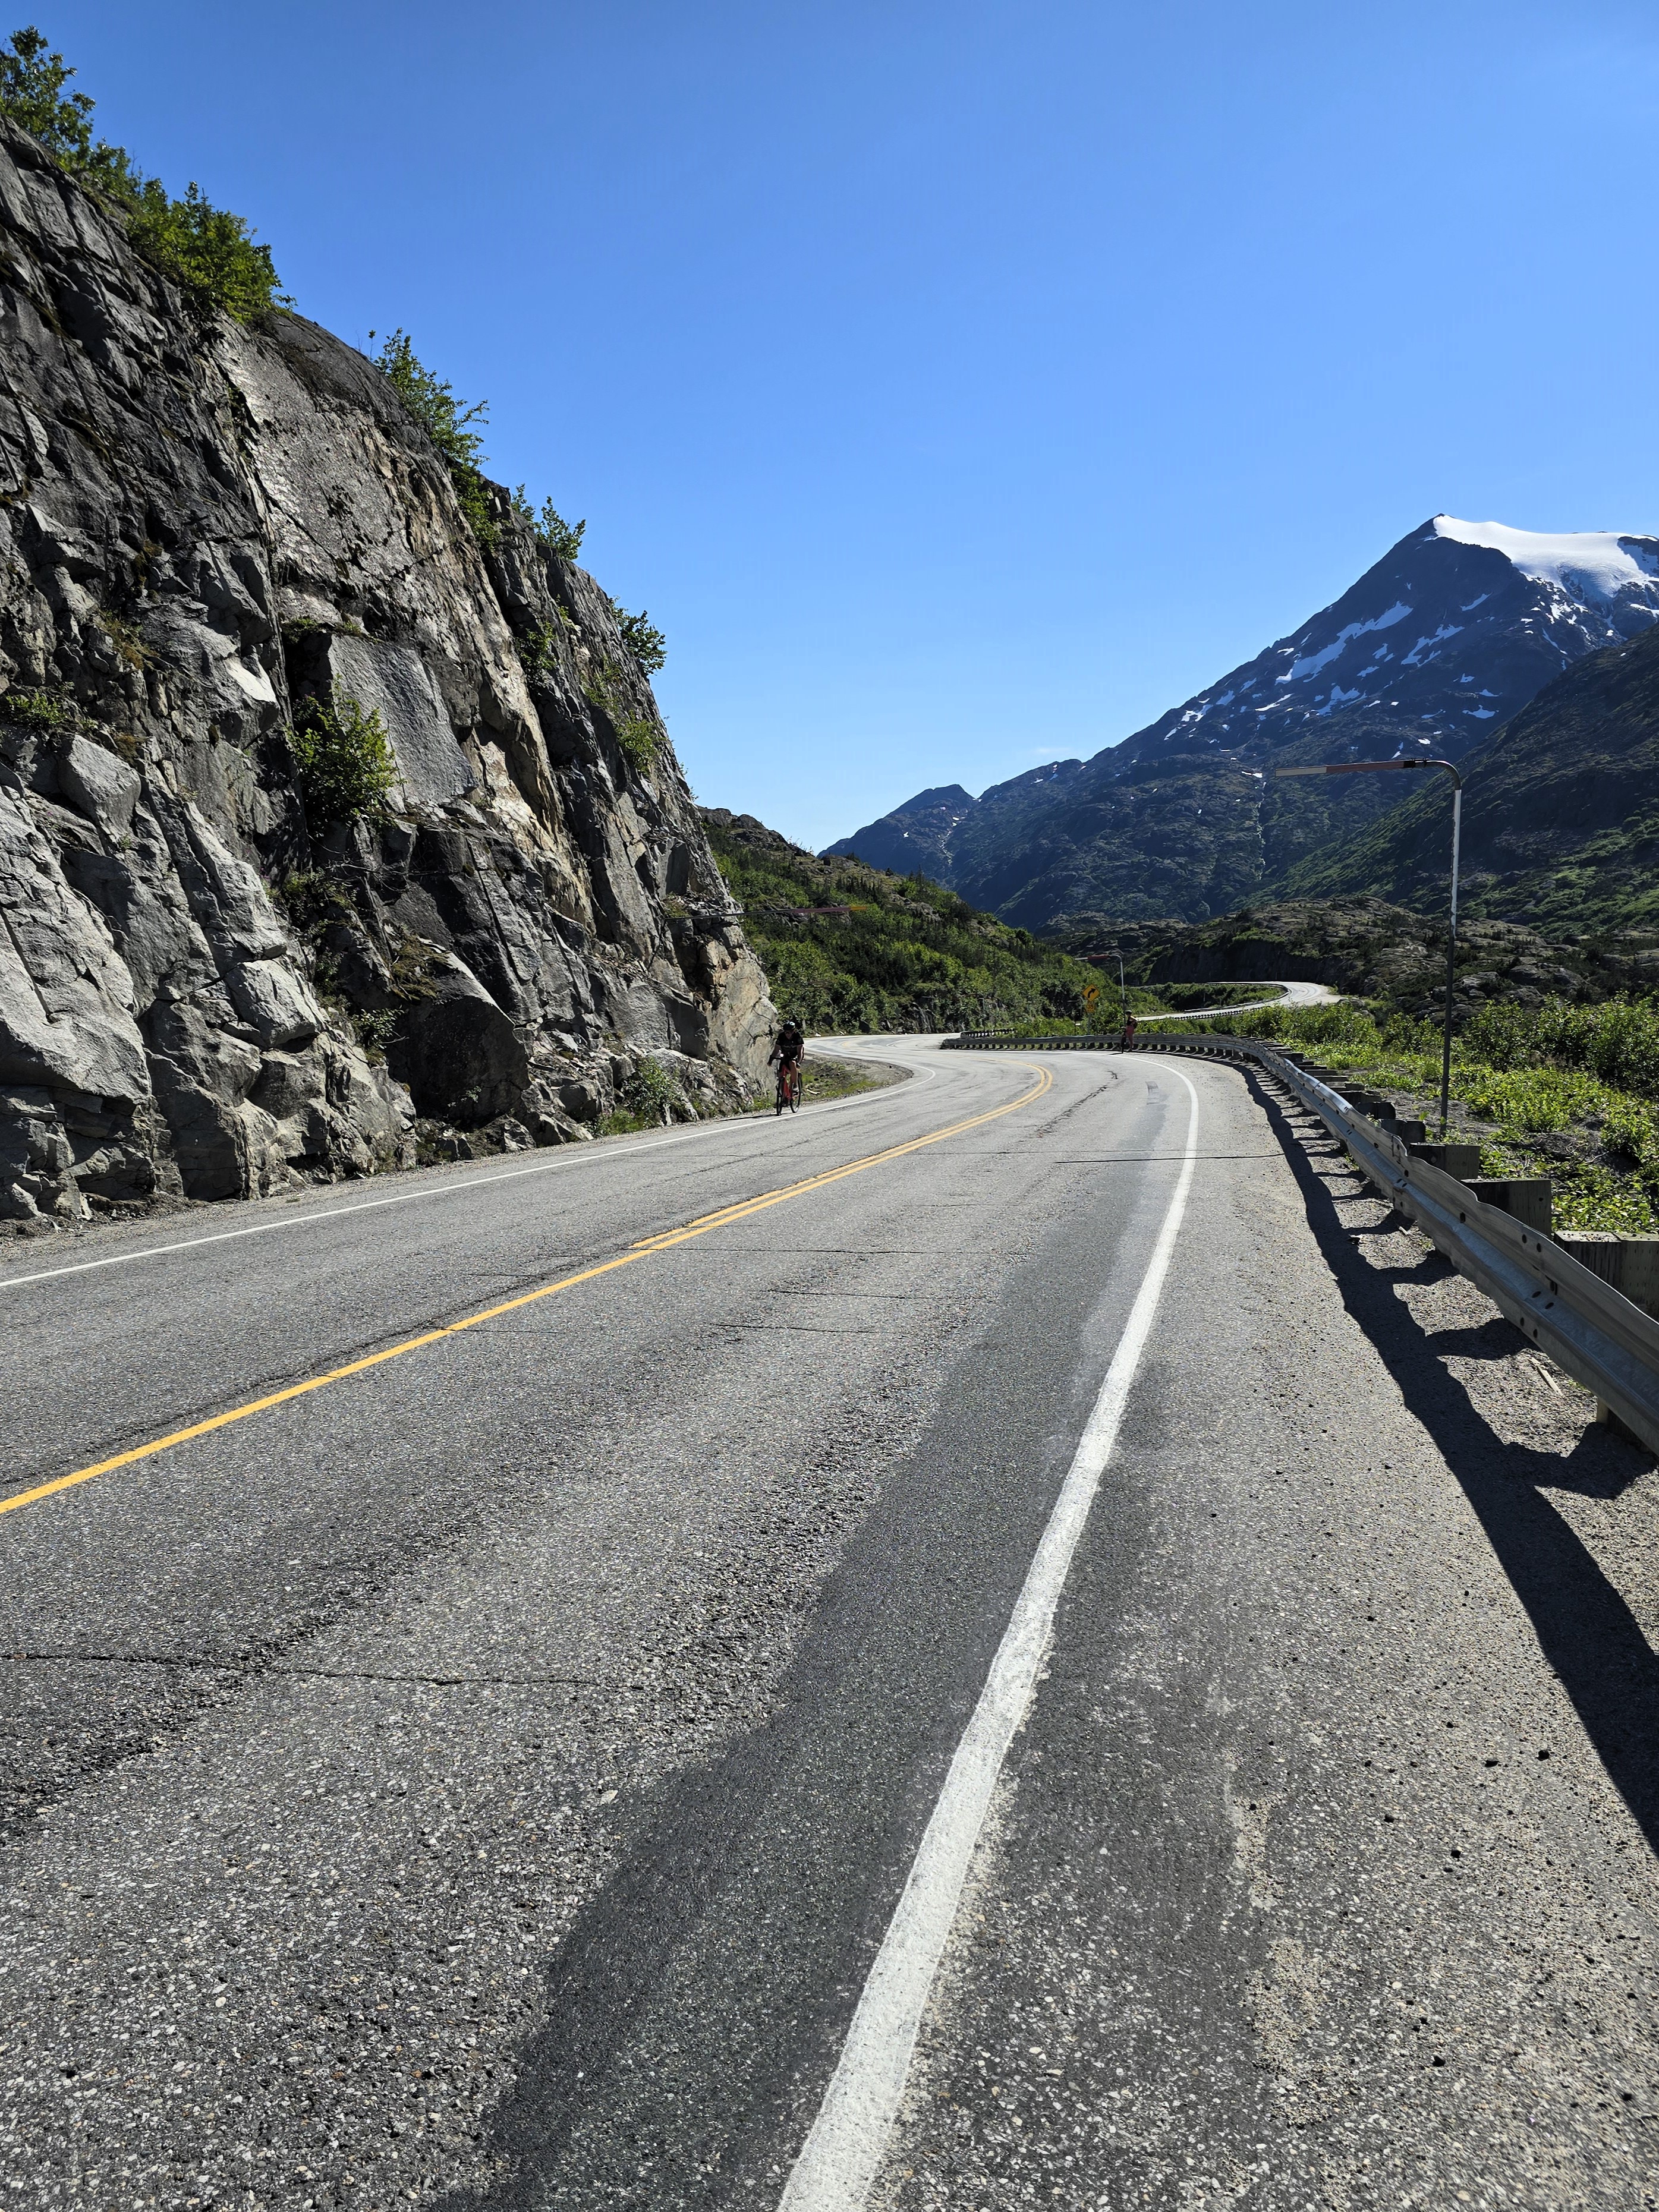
<point x="788" y="1052"/>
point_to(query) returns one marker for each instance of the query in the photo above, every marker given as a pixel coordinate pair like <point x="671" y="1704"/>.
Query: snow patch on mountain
<point x="1602" y="563"/>
<point x="1315" y="661"/>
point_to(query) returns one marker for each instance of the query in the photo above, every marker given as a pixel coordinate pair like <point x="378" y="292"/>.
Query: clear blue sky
<point x="958" y="386"/>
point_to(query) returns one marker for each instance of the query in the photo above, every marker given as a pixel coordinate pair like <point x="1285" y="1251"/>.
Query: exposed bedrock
<point x="203" y="992"/>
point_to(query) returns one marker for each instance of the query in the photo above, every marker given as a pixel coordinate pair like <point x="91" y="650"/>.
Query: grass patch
<point x="823" y="1079"/>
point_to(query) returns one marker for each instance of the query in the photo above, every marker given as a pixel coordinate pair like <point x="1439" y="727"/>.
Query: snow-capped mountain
<point x="1456" y="628"/>
<point x="1450" y="634"/>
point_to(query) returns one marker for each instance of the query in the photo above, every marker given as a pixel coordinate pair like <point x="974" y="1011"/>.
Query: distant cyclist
<point x="788" y="1052"/>
<point x="1128" y="1032"/>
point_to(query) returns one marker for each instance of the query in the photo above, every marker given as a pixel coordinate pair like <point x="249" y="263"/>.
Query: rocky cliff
<point x="203" y="992"/>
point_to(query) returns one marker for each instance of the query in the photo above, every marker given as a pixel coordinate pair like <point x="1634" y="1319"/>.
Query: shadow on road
<point x="1586" y="1631"/>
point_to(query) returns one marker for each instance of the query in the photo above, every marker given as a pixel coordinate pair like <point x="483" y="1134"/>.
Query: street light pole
<point x="1377" y="768"/>
<point x="1122" y="988"/>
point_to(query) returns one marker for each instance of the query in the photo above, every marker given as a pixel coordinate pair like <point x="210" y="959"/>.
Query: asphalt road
<point x="1296" y="994"/>
<point x="486" y="1780"/>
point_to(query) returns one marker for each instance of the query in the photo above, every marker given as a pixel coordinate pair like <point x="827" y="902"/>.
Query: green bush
<point x="1592" y="1197"/>
<point x="1537" y="1072"/>
<point x="649" y="1097"/>
<point x="1529" y="1100"/>
<point x="343" y="759"/>
<point x="644" y="641"/>
<point x="204" y="250"/>
<point x="448" y="422"/>
<point x="375" y="1032"/>
<point x="313" y="901"/>
<point x="642" y="740"/>
<point x="536" y="651"/>
<point x="40" y="710"/>
<point x="1617" y="1041"/>
<point x="211" y="253"/>
<point x="553" y="533"/>
<point x="651" y="1089"/>
<point x="1628" y="1130"/>
<point x="558" y="536"/>
<point x="642" y="743"/>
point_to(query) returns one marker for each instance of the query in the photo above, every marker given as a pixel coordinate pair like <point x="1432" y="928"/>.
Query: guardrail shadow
<point x="1586" y="1631"/>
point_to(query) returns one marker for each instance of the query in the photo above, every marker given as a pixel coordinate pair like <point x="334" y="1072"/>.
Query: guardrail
<point x="1586" y="1327"/>
<point x="994" y="1041"/>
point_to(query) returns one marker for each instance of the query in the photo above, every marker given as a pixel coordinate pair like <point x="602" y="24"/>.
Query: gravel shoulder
<point x="1324" y="1874"/>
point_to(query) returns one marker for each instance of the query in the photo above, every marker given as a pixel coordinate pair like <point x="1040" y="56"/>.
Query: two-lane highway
<point x="487" y="1649"/>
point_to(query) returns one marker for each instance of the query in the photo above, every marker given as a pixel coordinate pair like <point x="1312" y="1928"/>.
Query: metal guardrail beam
<point x="1587" y="1329"/>
<point x="988" y="1041"/>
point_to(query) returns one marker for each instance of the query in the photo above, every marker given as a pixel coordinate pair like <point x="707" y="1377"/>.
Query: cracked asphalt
<point x="483" y="1782"/>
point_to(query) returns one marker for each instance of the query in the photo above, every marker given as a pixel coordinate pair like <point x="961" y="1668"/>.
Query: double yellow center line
<point x="705" y="1223"/>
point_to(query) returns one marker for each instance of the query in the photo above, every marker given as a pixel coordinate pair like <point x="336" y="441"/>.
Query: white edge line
<point x="841" y="2155"/>
<point x="565" y="1162"/>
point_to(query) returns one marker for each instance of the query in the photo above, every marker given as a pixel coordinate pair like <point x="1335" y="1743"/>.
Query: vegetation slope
<point x="897" y="952"/>
<point x="1567" y="1091"/>
<point x="1560" y="813"/>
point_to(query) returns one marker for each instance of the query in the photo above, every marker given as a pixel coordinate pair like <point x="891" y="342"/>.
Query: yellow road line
<point x="739" y="1211"/>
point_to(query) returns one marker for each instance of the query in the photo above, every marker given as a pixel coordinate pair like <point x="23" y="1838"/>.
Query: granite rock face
<point x="203" y="992"/>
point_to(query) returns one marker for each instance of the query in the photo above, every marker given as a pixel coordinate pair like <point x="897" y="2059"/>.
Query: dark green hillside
<point x="1387" y="954"/>
<point x="908" y="956"/>
<point x="1560" y="816"/>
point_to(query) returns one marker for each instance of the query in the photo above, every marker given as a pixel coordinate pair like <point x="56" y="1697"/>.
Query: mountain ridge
<point x="1560" y="815"/>
<point x="1452" y="632"/>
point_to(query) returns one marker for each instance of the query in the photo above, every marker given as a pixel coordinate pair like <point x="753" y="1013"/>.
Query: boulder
<point x="101" y="785"/>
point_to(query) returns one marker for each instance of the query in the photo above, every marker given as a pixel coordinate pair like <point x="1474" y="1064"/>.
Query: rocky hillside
<point x="1451" y="633"/>
<point x="207" y="987"/>
<point x="1560" y="813"/>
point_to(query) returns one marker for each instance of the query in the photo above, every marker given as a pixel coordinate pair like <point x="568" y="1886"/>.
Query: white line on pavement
<point x="565" y="1162"/>
<point x="840" y="2159"/>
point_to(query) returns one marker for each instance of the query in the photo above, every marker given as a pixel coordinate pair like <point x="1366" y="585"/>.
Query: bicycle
<point x="789" y="1086"/>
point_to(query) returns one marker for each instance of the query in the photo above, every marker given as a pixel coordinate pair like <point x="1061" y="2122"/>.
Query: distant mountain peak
<point x="945" y="794"/>
<point x="1438" y="645"/>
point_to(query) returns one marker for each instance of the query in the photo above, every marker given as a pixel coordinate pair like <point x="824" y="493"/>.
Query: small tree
<point x="643" y="640"/>
<point x="32" y="81"/>
<point x="343" y="759"/>
<point x="446" y="422"/>
<point x="558" y="536"/>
